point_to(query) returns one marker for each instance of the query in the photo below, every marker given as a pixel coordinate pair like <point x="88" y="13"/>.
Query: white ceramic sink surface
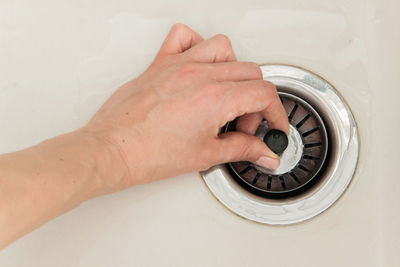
<point x="60" y="60"/>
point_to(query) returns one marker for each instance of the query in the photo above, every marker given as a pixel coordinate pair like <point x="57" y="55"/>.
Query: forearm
<point x="44" y="181"/>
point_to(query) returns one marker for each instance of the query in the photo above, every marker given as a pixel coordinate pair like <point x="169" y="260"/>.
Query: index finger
<point x="252" y="97"/>
<point x="275" y="114"/>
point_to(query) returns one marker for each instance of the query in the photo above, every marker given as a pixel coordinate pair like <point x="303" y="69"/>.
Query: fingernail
<point x="267" y="162"/>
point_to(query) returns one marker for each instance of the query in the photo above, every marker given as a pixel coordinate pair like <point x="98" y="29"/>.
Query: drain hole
<point x="282" y="182"/>
<point x="248" y="168"/>
<point x="269" y="182"/>
<point x="303" y="121"/>
<point x="312" y="145"/>
<point x="310" y="157"/>
<point x="301" y="167"/>
<point x="293" y="112"/>
<point x="294" y="177"/>
<point x="310" y="132"/>
<point x="256" y="178"/>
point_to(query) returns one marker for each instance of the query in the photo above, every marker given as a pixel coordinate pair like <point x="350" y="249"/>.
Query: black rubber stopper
<point x="276" y="140"/>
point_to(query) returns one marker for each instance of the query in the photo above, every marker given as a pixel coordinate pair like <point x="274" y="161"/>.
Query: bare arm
<point x="161" y="124"/>
<point x="44" y="181"/>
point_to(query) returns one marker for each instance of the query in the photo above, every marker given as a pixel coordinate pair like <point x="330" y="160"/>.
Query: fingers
<point x="234" y="71"/>
<point x="254" y="96"/>
<point x="245" y="97"/>
<point x="179" y="39"/>
<point x="248" y="123"/>
<point x="237" y="146"/>
<point x="215" y="49"/>
<point x="276" y="116"/>
<point x="225" y="71"/>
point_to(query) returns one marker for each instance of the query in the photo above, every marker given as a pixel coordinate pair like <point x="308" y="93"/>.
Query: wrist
<point x="87" y="164"/>
<point x="108" y="168"/>
<point x="75" y="158"/>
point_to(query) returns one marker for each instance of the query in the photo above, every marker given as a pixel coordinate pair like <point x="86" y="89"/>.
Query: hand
<point x="166" y="122"/>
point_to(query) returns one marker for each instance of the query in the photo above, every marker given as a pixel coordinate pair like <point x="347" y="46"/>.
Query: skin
<point x="163" y="123"/>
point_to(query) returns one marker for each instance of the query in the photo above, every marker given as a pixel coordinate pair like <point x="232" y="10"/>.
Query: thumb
<point x="179" y="39"/>
<point x="238" y="146"/>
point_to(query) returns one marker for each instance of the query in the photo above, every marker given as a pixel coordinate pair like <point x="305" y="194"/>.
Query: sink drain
<point x="316" y="167"/>
<point x="301" y="161"/>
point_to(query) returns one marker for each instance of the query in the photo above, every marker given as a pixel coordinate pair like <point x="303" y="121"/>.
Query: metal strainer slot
<point x="301" y="162"/>
<point x="316" y="166"/>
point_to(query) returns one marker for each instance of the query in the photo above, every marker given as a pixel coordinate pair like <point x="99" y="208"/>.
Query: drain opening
<point x="302" y="163"/>
<point x="321" y="165"/>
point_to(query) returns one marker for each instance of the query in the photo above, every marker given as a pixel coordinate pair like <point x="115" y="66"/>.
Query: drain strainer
<point x="301" y="161"/>
<point x="316" y="167"/>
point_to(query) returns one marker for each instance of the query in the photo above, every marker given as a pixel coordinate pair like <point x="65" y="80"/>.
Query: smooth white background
<point x="60" y="60"/>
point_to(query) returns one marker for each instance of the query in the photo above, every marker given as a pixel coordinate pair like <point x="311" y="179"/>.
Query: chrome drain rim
<point x="337" y="175"/>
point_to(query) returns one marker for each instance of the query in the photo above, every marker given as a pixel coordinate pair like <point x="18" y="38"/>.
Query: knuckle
<point x="179" y="27"/>
<point x="268" y="88"/>
<point x="257" y="70"/>
<point x="268" y="85"/>
<point x="261" y="88"/>
<point x="223" y="40"/>
<point x="227" y="115"/>
<point x="274" y="112"/>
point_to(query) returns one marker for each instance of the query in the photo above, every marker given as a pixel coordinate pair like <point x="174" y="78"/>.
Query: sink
<point x="60" y="60"/>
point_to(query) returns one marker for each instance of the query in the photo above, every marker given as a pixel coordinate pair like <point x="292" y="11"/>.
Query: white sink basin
<point x="60" y="60"/>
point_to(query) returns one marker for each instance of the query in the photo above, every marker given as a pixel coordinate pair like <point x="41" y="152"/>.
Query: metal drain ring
<point x="343" y="156"/>
<point x="312" y="148"/>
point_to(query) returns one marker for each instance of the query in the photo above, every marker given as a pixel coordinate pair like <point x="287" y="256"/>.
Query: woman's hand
<point x="166" y="122"/>
<point x="163" y="123"/>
